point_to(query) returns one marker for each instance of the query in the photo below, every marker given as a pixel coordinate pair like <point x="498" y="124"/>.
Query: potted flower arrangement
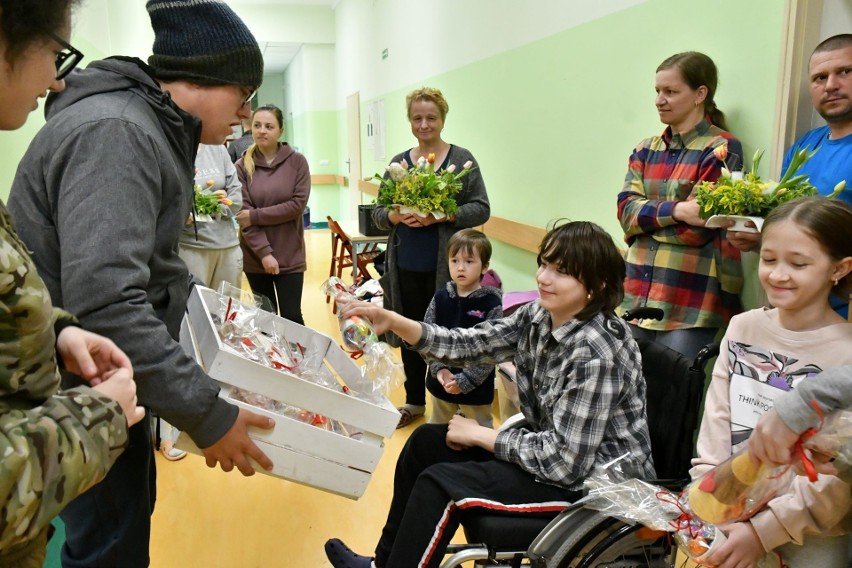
<point x="209" y="205"/>
<point x="743" y="196"/>
<point x="420" y="189"/>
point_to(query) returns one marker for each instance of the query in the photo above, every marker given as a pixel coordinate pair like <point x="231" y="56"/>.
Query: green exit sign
<point x="385" y="53"/>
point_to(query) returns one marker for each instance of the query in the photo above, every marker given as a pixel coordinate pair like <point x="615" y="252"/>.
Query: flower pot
<point x="409" y="210"/>
<point x="715" y="222"/>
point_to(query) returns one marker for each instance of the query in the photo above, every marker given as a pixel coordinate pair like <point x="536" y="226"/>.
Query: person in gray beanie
<point x="119" y="147"/>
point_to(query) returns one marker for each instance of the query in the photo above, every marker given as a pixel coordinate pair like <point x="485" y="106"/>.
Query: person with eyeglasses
<point x="102" y="196"/>
<point x="54" y="444"/>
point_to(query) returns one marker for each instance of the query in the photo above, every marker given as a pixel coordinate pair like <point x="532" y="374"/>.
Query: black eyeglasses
<point x="67" y="59"/>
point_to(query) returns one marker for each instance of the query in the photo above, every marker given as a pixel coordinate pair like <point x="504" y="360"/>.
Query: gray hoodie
<point x="101" y="197"/>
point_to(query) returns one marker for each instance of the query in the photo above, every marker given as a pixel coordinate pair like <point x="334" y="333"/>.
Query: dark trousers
<point x="416" y="291"/>
<point x="434" y="484"/>
<point x="284" y="292"/>
<point x="110" y="524"/>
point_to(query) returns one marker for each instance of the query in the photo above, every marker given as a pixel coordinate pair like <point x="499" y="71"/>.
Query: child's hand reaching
<point x="379" y="317"/>
<point x="383" y="320"/>
<point x="448" y="381"/>
<point x="743" y="548"/>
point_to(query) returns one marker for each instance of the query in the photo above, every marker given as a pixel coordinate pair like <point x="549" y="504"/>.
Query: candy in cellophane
<point x="735" y="489"/>
<point x="381" y="370"/>
<point x="237" y="321"/>
<point x="278" y="407"/>
<point x="739" y="487"/>
<point x="615" y="494"/>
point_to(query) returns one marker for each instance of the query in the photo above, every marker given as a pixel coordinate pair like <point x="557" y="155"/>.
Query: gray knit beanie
<point x="204" y="42"/>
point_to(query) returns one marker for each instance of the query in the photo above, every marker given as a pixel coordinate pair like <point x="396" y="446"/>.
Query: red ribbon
<point x="799" y="450"/>
<point x="684" y="521"/>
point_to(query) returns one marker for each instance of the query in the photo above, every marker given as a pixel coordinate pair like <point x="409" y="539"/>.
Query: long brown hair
<point x="248" y="157"/>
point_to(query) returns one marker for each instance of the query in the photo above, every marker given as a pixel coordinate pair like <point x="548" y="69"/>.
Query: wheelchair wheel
<point x="606" y="542"/>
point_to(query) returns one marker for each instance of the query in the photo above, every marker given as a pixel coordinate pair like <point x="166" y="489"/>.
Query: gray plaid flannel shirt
<point x="580" y="387"/>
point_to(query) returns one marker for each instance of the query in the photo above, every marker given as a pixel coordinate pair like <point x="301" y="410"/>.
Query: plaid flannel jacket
<point x="580" y="387"/>
<point x="692" y="273"/>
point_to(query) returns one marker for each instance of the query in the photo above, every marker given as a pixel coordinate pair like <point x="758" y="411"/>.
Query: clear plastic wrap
<point x="739" y="487"/>
<point x="733" y="491"/>
<point x="612" y="492"/>
<point x="382" y="369"/>
<point x="306" y="416"/>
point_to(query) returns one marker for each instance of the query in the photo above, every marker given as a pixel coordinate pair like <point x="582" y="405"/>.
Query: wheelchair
<point x="583" y="538"/>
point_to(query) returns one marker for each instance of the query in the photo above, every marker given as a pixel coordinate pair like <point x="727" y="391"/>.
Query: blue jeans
<point x="110" y="524"/>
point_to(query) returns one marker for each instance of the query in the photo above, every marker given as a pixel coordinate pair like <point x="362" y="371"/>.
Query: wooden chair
<point x="343" y="251"/>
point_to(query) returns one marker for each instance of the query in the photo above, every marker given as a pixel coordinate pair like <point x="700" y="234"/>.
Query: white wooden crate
<point x="300" y="452"/>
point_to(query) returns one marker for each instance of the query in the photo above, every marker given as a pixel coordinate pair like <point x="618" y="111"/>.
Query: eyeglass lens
<point x="67" y="59"/>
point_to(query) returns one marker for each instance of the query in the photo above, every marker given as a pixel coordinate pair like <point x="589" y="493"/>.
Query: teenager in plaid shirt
<point x="673" y="261"/>
<point x="581" y="391"/>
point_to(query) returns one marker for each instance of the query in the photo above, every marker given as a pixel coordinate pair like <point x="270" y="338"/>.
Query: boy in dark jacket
<point x="119" y="148"/>
<point x="464" y="303"/>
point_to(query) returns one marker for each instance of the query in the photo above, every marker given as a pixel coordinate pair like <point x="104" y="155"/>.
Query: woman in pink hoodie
<point x="276" y="185"/>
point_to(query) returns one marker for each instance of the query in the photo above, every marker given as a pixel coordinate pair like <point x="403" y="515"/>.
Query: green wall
<point x="315" y="136"/>
<point x="553" y="123"/>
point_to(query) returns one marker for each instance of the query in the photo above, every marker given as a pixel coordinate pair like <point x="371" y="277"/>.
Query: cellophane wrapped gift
<point x="735" y="489"/>
<point x="237" y="323"/>
<point x="382" y="370"/>
<point x="739" y="487"/>
<point x="732" y="491"/>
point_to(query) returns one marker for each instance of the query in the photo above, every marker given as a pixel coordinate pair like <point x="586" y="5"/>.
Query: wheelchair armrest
<point x="514" y="421"/>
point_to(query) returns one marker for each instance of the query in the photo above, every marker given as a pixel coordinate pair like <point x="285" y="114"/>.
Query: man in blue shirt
<point x="830" y="79"/>
<point x="830" y="84"/>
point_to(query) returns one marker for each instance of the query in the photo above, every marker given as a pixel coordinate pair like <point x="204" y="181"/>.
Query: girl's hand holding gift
<point x="741" y="549"/>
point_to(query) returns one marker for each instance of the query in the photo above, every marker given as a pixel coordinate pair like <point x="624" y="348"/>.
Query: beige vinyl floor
<point x="211" y="519"/>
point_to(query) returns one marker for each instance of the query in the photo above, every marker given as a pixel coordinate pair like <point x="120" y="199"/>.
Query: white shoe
<point x="171" y="453"/>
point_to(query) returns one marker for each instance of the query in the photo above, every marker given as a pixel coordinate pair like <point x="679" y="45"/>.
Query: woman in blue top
<point x="417" y="263"/>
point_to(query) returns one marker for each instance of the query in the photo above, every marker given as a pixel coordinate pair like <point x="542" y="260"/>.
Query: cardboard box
<point x="299" y="451"/>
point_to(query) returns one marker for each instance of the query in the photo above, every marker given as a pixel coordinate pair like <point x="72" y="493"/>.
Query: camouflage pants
<point x="28" y="555"/>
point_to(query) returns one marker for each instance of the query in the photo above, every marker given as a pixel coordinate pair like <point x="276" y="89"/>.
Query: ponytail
<point x="248" y="160"/>
<point x="715" y="116"/>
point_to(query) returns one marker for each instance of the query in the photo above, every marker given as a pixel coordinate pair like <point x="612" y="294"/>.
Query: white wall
<point x="446" y="30"/>
<point x="296" y="24"/>
<point x="123" y="26"/>
<point x="309" y="81"/>
<point x="130" y="28"/>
